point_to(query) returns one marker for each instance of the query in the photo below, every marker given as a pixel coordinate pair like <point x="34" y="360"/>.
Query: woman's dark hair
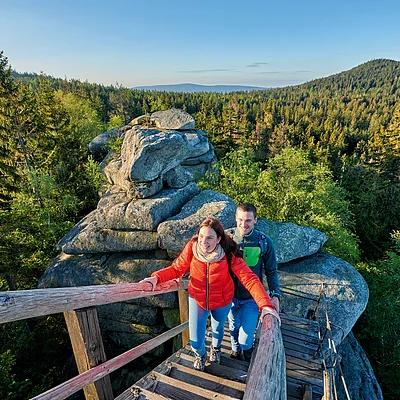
<point x="227" y="243"/>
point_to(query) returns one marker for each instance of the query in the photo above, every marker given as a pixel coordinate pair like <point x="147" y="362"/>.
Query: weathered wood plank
<point x="301" y="350"/>
<point x="141" y="394"/>
<point x="182" y="362"/>
<point x="229" y="368"/>
<point x="184" y="314"/>
<point x="174" y="368"/>
<point x="299" y="322"/>
<point x="164" y="391"/>
<point x="294" y="390"/>
<point x="314" y="382"/>
<point x="307" y="395"/>
<point x="328" y="387"/>
<point x="300" y="334"/>
<point x="23" y="304"/>
<point x="310" y="329"/>
<point x="302" y="369"/>
<point x="312" y="365"/>
<point x="299" y="382"/>
<point x="190" y="388"/>
<point x="303" y="358"/>
<point x="67" y="388"/>
<point x="299" y="345"/>
<point x="87" y="345"/>
<point x="267" y="374"/>
<point x="218" y="381"/>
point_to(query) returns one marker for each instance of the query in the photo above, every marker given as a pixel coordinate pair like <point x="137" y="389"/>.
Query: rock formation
<point x="360" y="380"/>
<point x="152" y="206"/>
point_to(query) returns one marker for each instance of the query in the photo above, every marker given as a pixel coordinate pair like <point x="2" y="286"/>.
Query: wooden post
<point x="184" y="314"/>
<point x="307" y="392"/>
<point x="266" y="378"/>
<point x="327" y="386"/>
<point x="87" y="344"/>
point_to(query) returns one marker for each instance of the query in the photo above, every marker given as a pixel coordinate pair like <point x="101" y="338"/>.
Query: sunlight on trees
<point x="291" y="188"/>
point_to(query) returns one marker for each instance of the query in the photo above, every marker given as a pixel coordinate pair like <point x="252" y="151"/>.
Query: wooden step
<point x="176" y="379"/>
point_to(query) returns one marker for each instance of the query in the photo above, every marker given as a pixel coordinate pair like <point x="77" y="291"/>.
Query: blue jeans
<point x="243" y="319"/>
<point x="198" y="324"/>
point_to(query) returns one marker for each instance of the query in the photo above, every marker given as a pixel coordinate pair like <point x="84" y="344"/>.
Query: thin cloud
<point x="280" y="72"/>
<point x="256" y="65"/>
<point x="202" y="71"/>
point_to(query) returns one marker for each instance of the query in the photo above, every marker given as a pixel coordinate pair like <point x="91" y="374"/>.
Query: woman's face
<point x="208" y="239"/>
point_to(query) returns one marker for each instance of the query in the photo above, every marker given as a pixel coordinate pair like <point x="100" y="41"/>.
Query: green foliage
<point x="115" y="144"/>
<point x="346" y="125"/>
<point x="376" y="205"/>
<point x="378" y="329"/>
<point x="47" y="184"/>
<point x="235" y="175"/>
<point x="291" y="188"/>
<point x="95" y="179"/>
<point x="40" y="214"/>
<point x="115" y="122"/>
<point x="7" y="363"/>
<point x="33" y="356"/>
<point x="83" y="121"/>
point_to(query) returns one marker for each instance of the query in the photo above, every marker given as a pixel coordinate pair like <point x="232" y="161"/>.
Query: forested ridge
<point x="325" y="153"/>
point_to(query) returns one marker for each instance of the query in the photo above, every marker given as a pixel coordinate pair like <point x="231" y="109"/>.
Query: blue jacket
<point x="258" y="251"/>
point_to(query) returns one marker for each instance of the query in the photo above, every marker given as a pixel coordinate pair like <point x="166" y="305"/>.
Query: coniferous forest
<point x="324" y="153"/>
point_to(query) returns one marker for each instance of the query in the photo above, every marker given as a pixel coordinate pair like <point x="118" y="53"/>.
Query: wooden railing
<point x="266" y="378"/>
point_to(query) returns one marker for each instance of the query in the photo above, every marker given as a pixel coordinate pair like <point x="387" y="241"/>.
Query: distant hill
<point x="371" y="75"/>
<point x="193" y="88"/>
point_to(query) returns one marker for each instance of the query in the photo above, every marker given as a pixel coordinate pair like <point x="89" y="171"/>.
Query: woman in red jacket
<point x="209" y="257"/>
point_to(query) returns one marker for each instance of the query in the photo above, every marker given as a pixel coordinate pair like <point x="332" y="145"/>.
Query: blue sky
<point x="245" y="42"/>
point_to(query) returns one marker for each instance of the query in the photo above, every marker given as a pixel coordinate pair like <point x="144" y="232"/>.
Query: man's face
<point x="245" y="221"/>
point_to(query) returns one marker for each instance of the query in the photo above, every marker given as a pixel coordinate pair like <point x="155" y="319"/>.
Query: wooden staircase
<point x="176" y="379"/>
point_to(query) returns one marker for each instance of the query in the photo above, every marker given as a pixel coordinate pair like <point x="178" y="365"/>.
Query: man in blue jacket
<point x="258" y="251"/>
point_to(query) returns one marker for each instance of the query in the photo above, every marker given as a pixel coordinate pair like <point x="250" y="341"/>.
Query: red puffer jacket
<point x="211" y="284"/>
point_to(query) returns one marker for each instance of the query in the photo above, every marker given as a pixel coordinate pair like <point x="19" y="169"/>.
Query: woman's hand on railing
<point x="152" y="280"/>
<point x="272" y="311"/>
<point x="178" y="281"/>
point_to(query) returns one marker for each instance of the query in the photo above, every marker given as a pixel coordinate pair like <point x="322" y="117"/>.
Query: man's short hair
<point x="247" y="207"/>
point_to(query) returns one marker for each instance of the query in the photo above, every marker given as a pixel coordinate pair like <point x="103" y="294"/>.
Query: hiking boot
<point x="199" y="362"/>
<point x="247" y="354"/>
<point x="215" y="354"/>
<point x="237" y="355"/>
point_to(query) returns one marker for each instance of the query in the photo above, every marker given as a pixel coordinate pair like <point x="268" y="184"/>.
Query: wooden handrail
<point x="267" y="373"/>
<point x="23" y="304"/>
<point x="67" y="388"/>
<point x="266" y="377"/>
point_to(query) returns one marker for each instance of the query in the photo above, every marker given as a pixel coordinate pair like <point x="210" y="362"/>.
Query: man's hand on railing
<point x="152" y="280"/>
<point x="272" y="311"/>
<point x="275" y="303"/>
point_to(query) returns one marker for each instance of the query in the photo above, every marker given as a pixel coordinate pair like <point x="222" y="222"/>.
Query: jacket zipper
<point x="236" y="294"/>
<point x="208" y="264"/>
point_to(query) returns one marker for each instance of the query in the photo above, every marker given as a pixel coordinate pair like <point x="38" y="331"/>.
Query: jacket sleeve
<point x="251" y="282"/>
<point x="178" y="268"/>
<point x="271" y="268"/>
